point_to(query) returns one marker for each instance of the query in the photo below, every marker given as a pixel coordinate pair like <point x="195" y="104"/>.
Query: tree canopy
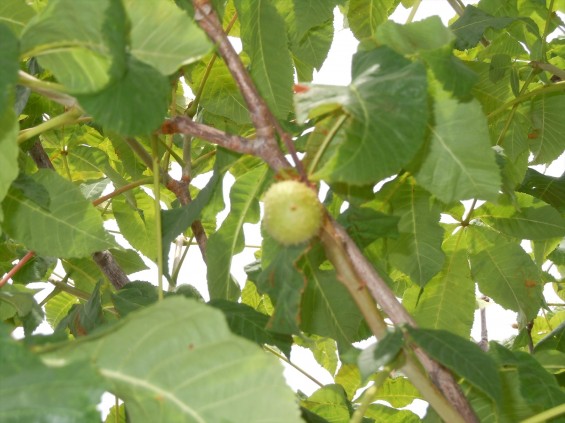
<point x="435" y="203"/>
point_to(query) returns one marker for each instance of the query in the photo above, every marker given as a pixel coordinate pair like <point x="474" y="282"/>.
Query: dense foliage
<point x="433" y="202"/>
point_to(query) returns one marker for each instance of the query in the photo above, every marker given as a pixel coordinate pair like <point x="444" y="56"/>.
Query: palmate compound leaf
<point x="84" y="60"/>
<point x="68" y="226"/>
<point x="34" y="392"/>
<point x="459" y="163"/>
<point x="177" y="361"/>
<point x="388" y="104"/>
<point x="462" y="356"/>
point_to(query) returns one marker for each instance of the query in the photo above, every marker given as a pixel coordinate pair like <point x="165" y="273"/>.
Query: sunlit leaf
<point x="84" y="61"/>
<point x="330" y="403"/>
<point x="71" y="227"/>
<point x="15" y="14"/>
<point x="365" y="16"/>
<point x="548" y="126"/>
<point x="8" y="152"/>
<point x="179" y="353"/>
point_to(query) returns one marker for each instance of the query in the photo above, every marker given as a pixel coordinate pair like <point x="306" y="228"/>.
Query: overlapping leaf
<point x="262" y="30"/>
<point x="163" y="36"/>
<point x="229" y="239"/>
<point x="365" y="16"/>
<point x="177" y="361"/>
<point x="448" y="300"/>
<point x="547" y="142"/>
<point x="388" y="102"/>
<point x="84" y="61"/>
<point x="15" y="14"/>
<point x="505" y="272"/>
<point x="417" y="251"/>
<point x="69" y="227"/>
<point x="459" y="164"/>
<point x="8" y="64"/>
<point x="8" y="151"/>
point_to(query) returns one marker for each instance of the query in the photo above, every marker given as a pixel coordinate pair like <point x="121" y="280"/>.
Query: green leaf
<point x="23" y="304"/>
<point x="9" y="65"/>
<point x="15" y="14"/>
<point x="534" y="219"/>
<point x="329" y="402"/>
<point x="135" y="104"/>
<point x="364" y="16"/>
<point x="184" y="365"/>
<point x="84" y="61"/>
<point x="311" y="51"/>
<point x="271" y="66"/>
<point x="58" y="307"/>
<point x="454" y="74"/>
<point x="129" y="260"/>
<point x="323" y="349"/>
<point x="555" y="340"/>
<point x="459" y="164"/>
<point x="284" y="284"/>
<point x="448" y="300"/>
<point x="137" y="225"/>
<point x="221" y="96"/>
<point x="548" y="125"/>
<point x="382" y="413"/>
<point x="37" y="269"/>
<point x="427" y="34"/>
<point x="245" y="321"/>
<point x="229" y="239"/>
<point x="310" y="14"/>
<point x="9" y="151"/>
<point x="163" y="36"/>
<point x="388" y="104"/>
<point x="388" y="348"/>
<point x="328" y="309"/>
<point x="366" y="225"/>
<point x="349" y="378"/>
<point x="398" y="392"/>
<point x="471" y="26"/>
<point x="417" y="251"/>
<point x="134" y="296"/>
<point x="505" y="272"/>
<point x="71" y="227"/>
<point x="462" y="356"/>
<point x="84" y="318"/>
<point x="33" y="392"/>
<point x="545" y="187"/>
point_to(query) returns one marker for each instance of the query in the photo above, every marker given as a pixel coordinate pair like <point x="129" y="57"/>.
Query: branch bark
<point x="267" y="148"/>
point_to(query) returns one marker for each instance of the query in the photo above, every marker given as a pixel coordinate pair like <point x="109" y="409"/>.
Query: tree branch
<point x="333" y="234"/>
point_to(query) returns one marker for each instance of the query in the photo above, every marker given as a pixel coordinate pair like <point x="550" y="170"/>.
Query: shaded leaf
<point x="196" y="353"/>
<point x="8" y="151"/>
<point x="555" y="340"/>
<point x="387" y="100"/>
<point x="58" y="307"/>
<point x="366" y="225"/>
<point x="462" y="356"/>
<point x="245" y="321"/>
<point x="545" y="187"/>
<point x="284" y="284"/>
<point x="327" y="308"/>
<point x="417" y="251"/>
<point x="505" y="272"/>
<point x="388" y="348"/>
<point x="135" y="104"/>
<point x="229" y="239"/>
<point x="9" y="66"/>
<point x="448" y="299"/>
<point x="25" y="308"/>
<point x="459" y="164"/>
<point x="71" y="227"/>
<point x="471" y="26"/>
<point x="134" y="296"/>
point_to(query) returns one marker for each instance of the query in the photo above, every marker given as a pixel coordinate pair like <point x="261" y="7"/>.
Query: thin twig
<point x="29" y="255"/>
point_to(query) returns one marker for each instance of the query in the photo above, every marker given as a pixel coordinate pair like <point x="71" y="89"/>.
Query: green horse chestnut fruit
<point x="293" y="214"/>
